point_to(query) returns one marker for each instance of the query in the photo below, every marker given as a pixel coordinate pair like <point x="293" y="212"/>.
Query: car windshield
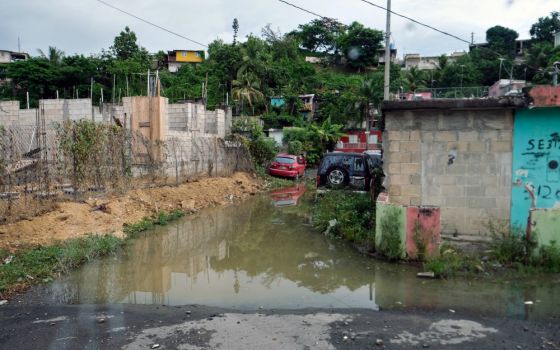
<point x="284" y="160"/>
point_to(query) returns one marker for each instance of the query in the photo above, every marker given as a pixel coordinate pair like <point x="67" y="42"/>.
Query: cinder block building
<point x="452" y="154"/>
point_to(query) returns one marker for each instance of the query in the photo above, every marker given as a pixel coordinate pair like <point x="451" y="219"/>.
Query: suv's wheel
<point x="337" y="177"/>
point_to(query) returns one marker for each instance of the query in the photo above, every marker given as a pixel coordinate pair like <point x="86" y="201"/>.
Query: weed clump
<point x="162" y="218"/>
<point x="390" y="245"/>
<point x="548" y="258"/>
<point x="41" y="263"/>
<point x="354" y="215"/>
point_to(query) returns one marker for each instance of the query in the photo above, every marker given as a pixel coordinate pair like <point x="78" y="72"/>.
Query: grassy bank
<point x="272" y="182"/>
<point x="351" y="216"/>
<point x="508" y="253"/>
<point x="40" y="264"/>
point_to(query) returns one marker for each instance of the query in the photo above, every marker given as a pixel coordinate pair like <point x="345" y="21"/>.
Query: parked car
<point x="359" y="171"/>
<point x="287" y="165"/>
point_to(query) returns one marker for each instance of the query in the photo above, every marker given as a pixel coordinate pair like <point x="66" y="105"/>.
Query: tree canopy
<point x="545" y="27"/>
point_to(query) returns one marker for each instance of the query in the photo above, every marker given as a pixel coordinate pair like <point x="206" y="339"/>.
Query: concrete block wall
<point x="9" y="113"/>
<point x="458" y="160"/>
<point x="191" y="156"/>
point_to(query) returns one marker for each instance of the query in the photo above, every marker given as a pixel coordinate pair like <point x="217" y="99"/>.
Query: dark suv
<point x="359" y="171"/>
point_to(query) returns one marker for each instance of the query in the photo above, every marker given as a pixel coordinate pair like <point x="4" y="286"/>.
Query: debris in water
<point x="428" y="274"/>
<point x="379" y="342"/>
<point x="155" y="346"/>
<point x="528" y="302"/>
<point x="452" y="311"/>
<point x="332" y="224"/>
<point x="2" y="302"/>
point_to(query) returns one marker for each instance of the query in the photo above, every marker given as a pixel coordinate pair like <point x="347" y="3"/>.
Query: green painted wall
<point x="393" y="213"/>
<point x="546" y="225"/>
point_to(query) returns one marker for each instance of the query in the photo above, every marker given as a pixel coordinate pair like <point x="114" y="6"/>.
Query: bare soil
<point x="108" y="215"/>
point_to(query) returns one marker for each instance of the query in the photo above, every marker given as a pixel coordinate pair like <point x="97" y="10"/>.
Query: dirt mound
<point x="109" y="215"/>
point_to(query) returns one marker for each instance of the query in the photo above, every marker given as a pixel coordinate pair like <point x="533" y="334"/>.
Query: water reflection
<point x="287" y="196"/>
<point x="257" y="254"/>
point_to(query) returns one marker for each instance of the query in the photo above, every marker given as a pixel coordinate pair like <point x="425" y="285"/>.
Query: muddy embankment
<point x="108" y="215"/>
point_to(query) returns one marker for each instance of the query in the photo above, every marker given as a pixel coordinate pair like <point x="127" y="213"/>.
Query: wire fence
<point x="42" y="166"/>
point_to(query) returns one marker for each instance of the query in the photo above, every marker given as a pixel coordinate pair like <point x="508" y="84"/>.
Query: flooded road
<point x="263" y="253"/>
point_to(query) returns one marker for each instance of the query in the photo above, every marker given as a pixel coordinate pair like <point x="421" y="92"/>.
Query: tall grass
<point x="42" y="263"/>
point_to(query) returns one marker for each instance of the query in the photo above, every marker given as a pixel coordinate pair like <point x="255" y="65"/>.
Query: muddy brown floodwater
<point x="264" y="253"/>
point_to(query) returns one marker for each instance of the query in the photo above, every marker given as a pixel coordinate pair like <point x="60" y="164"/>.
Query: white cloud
<point x="86" y="26"/>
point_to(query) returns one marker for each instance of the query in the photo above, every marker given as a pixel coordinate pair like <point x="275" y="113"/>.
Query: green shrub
<point x="509" y="246"/>
<point x="419" y="241"/>
<point x="390" y="226"/>
<point x="295" y="147"/>
<point x="262" y="150"/>
<point x="354" y="214"/>
<point x="548" y="257"/>
<point x="447" y="264"/>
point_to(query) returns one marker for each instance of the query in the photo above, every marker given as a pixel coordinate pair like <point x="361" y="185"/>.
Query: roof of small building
<point x="509" y="102"/>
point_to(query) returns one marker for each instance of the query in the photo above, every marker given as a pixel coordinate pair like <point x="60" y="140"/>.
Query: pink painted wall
<point x="545" y="95"/>
<point x="430" y="228"/>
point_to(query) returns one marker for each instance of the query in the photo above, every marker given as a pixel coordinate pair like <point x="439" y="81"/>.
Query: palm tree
<point x="54" y="55"/>
<point x="368" y="93"/>
<point x="246" y="88"/>
<point x="327" y="134"/>
<point x="415" y="79"/>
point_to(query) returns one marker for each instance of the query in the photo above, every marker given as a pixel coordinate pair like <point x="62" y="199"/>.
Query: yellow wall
<point x="189" y="56"/>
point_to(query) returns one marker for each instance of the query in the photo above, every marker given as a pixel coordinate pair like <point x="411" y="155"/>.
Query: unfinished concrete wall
<point x="55" y="111"/>
<point x="456" y="159"/>
<point x="186" y="138"/>
<point x="190" y="156"/>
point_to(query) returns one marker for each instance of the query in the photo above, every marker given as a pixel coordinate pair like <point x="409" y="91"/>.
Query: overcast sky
<point x="87" y="26"/>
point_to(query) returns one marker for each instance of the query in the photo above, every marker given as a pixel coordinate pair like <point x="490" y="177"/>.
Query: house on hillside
<point x="309" y="104"/>
<point x="506" y="87"/>
<point x="521" y="47"/>
<point x="359" y="141"/>
<point x="414" y="60"/>
<point x="393" y="54"/>
<point x="557" y="39"/>
<point x="7" y="56"/>
<point x="176" y="58"/>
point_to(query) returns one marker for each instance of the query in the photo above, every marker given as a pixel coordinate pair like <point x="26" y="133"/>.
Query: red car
<point x="287" y="165"/>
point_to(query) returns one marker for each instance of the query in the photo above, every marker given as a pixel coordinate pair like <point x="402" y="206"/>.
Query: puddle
<point x="261" y="254"/>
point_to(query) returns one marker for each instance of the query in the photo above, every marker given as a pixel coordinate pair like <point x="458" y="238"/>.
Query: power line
<point x="405" y="17"/>
<point x="417" y="22"/>
<point x="151" y="23"/>
<point x="302" y="9"/>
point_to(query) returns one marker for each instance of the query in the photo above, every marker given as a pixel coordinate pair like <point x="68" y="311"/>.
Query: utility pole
<point x="387" y="53"/>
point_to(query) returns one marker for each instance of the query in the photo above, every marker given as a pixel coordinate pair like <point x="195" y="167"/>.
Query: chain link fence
<point x="42" y="166"/>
